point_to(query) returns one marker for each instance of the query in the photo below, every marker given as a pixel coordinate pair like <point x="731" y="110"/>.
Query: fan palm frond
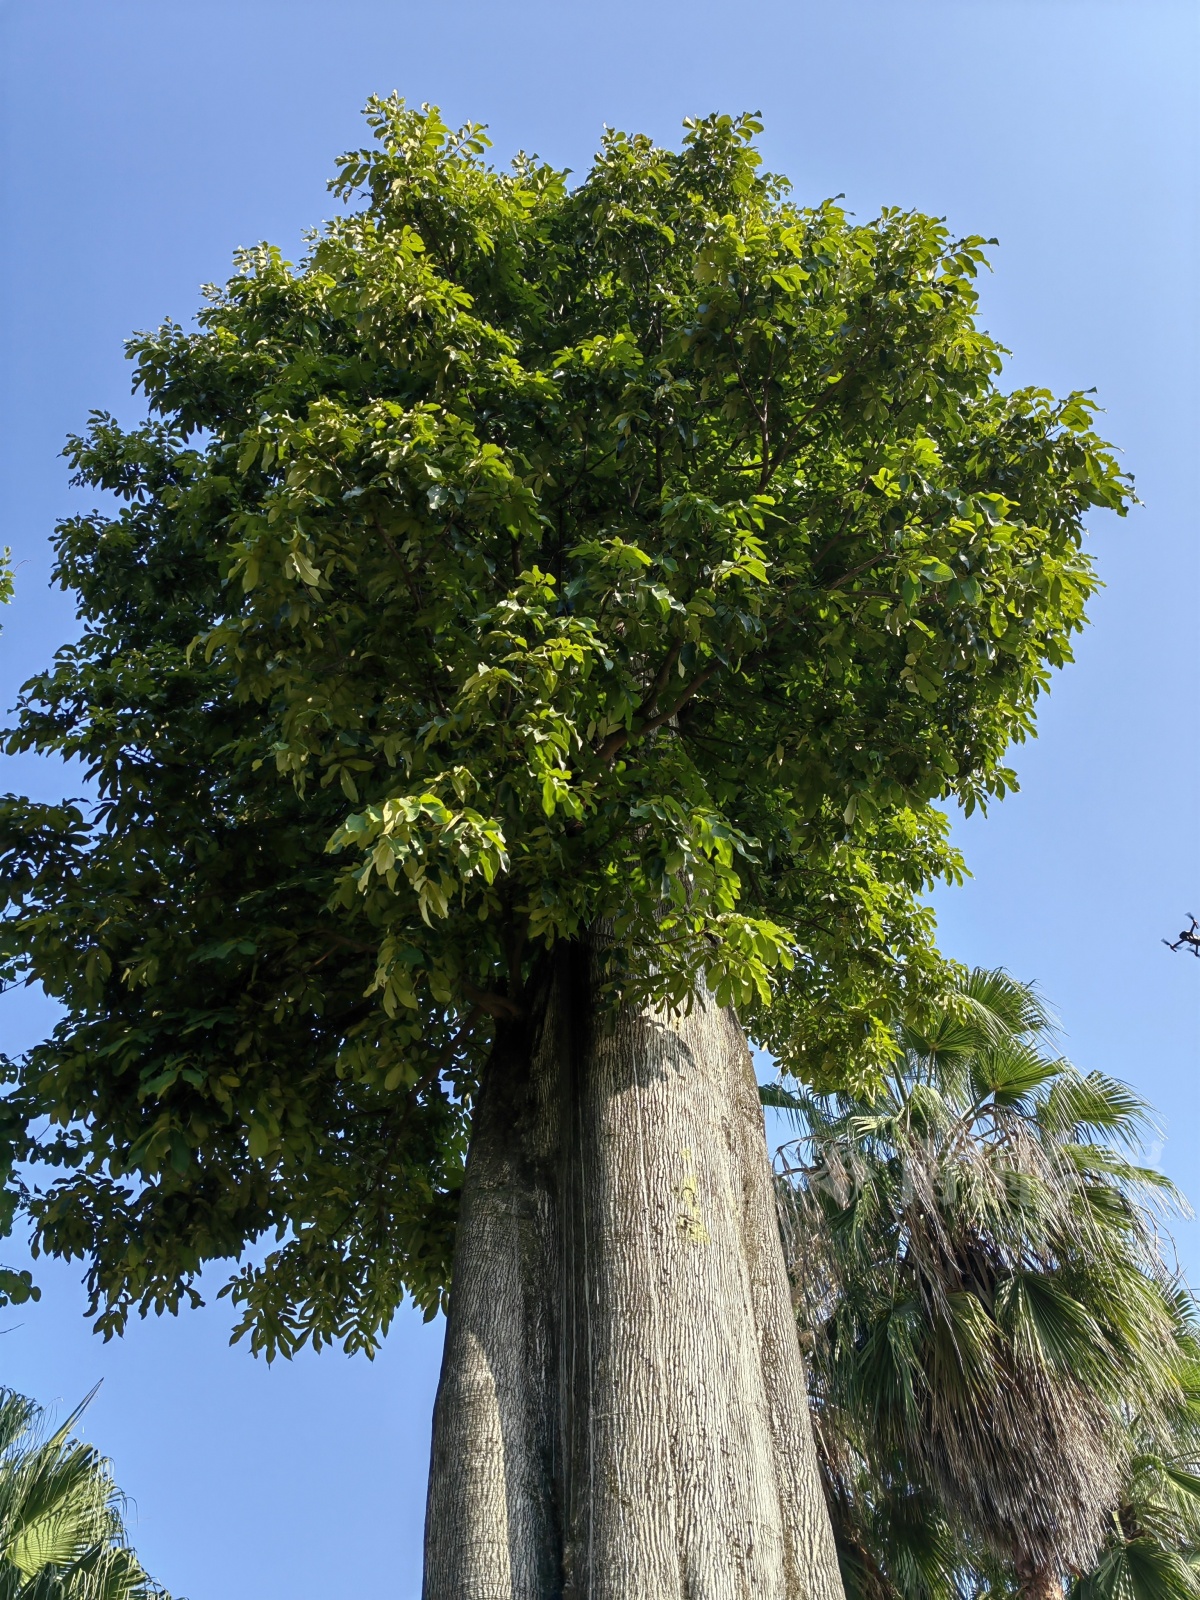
<point x="62" y="1534"/>
<point x="977" y="1268"/>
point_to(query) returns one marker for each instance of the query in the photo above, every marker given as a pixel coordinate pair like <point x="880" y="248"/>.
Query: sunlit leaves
<point x="654" y="553"/>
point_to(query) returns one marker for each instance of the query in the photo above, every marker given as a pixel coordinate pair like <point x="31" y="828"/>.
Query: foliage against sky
<point x="652" y="550"/>
<point x="1004" y="1363"/>
<point x="62" y="1532"/>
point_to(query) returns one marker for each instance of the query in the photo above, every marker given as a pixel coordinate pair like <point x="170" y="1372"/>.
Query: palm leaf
<point x="990" y="1315"/>
<point x="61" y="1533"/>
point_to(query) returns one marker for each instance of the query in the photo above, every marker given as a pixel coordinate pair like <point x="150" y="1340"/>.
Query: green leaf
<point x="934" y="571"/>
<point x="450" y="600"/>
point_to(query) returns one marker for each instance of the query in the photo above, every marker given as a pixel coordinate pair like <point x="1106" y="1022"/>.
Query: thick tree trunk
<point x="622" y="1411"/>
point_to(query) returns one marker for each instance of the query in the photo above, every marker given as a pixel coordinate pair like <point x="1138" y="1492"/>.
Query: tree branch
<point x="616" y="741"/>
<point x="492" y="1005"/>
<point x="649" y="701"/>
<point x="862" y="567"/>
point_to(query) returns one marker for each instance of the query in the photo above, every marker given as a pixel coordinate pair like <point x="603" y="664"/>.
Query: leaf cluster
<point x="655" y="551"/>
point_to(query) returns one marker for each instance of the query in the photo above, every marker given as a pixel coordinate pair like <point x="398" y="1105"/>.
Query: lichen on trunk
<point x="622" y="1413"/>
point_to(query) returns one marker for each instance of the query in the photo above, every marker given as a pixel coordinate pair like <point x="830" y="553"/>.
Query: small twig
<point x="438" y="1067"/>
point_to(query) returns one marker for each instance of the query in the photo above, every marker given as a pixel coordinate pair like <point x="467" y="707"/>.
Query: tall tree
<point x="537" y="624"/>
<point x="997" y="1339"/>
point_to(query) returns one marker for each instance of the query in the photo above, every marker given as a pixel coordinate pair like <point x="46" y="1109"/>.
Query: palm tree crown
<point x="62" y="1535"/>
<point x="981" y="1284"/>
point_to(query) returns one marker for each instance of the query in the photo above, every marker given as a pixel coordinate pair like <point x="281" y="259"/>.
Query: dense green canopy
<point x="653" y="550"/>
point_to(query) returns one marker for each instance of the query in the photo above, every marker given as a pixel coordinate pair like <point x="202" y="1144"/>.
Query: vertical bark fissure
<point x="643" y="1136"/>
<point x="622" y="1413"/>
<point x="573" y="1069"/>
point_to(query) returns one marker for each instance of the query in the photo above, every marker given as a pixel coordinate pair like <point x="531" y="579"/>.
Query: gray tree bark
<point x="622" y="1412"/>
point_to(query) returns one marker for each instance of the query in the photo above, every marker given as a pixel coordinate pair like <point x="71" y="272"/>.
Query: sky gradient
<point x="144" y="142"/>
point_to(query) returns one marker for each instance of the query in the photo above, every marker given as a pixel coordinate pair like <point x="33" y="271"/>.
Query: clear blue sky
<point x="143" y="142"/>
